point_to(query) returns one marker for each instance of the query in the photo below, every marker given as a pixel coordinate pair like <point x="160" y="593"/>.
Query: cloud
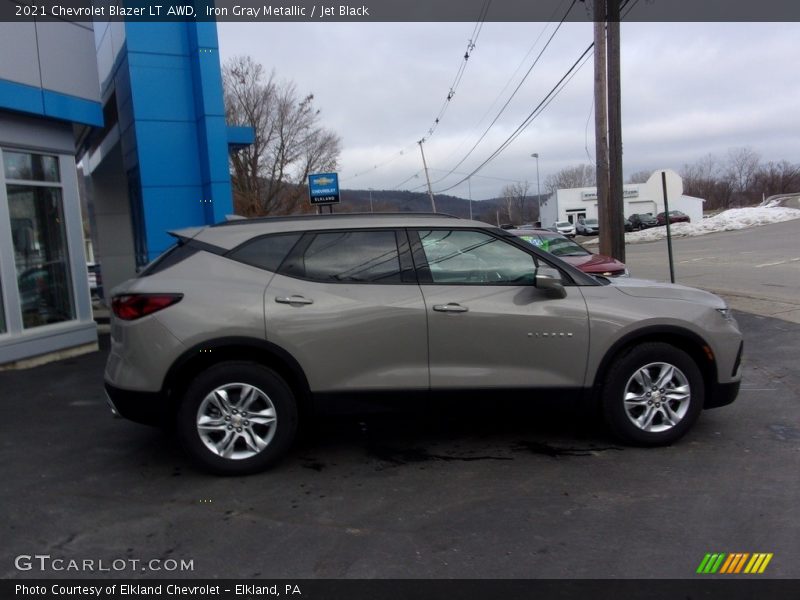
<point x="688" y="89"/>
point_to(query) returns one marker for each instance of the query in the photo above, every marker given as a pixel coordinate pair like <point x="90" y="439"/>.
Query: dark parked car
<point x="637" y="222"/>
<point x="587" y="227"/>
<point x="572" y="252"/>
<point x="675" y="216"/>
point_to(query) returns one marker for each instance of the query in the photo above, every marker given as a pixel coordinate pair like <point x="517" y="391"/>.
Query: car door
<point x="347" y="306"/>
<point x="489" y="326"/>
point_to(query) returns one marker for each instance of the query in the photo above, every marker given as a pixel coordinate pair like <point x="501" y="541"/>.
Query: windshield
<point x="556" y="245"/>
<point x="590" y="222"/>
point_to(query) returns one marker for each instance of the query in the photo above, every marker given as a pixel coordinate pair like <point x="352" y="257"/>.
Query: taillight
<point x="136" y="306"/>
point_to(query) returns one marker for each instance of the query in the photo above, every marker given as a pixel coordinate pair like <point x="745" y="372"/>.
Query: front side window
<point x="350" y="257"/>
<point x="466" y="257"/>
<point x="39" y="238"/>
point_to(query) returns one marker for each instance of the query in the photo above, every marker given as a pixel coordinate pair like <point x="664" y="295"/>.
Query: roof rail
<point x="277" y="219"/>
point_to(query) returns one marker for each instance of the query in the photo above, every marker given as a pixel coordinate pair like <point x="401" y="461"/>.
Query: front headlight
<point x="726" y="313"/>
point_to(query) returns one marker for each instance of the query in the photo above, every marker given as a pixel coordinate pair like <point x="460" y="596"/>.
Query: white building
<point x="572" y="204"/>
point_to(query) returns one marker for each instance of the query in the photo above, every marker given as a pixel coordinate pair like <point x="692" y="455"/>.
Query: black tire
<point x="646" y="359"/>
<point x="235" y="379"/>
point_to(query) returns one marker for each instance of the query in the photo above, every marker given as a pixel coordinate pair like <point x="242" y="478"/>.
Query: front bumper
<point x="722" y="394"/>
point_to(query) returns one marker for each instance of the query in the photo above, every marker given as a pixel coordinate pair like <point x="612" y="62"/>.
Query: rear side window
<point x="171" y="257"/>
<point x="349" y="257"/>
<point x="266" y="252"/>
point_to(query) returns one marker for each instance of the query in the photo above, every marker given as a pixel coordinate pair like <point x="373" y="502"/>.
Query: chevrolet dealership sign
<point x="323" y="188"/>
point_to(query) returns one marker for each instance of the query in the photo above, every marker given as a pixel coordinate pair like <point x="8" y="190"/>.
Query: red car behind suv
<point x="572" y="252"/>
<point x="675" y="216"/>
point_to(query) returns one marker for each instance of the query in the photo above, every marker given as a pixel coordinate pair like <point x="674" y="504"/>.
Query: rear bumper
<point x="149" y="408"/>
<point x="722" y="394"/>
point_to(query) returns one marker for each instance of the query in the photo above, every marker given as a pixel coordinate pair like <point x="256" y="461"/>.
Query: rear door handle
<point x="293" y="300"/>
<point x="450" y="307"/>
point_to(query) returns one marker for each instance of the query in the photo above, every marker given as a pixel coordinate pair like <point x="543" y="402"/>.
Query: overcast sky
<point x="688" y="89"/>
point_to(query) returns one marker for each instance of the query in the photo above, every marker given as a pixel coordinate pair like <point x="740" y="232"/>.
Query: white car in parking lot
<point x="564" y="228"/>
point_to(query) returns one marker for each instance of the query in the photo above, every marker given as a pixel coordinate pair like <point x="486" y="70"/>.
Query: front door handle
<point x="293" y="300"/>
<point x="450" y="307"/>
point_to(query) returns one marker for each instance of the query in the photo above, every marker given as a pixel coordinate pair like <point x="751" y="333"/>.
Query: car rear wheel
<point x="237" y="418"/>
<point x="652" y="395"/>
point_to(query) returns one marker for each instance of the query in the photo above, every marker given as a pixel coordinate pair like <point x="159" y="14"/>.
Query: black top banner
<point x="392" y="10"/>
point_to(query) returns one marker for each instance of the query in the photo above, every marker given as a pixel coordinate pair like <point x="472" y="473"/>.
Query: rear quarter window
<point x="171" y="257"/>
<point x="266" y="252"/>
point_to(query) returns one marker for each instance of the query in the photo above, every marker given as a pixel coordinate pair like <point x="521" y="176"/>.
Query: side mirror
<point x="548" y="278"/>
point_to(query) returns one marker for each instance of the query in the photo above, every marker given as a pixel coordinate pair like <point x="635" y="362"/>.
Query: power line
<point x="476" y="31"/>
<point x="510" y="79"/>
<point x="576" y="66"/>
<point x="391" y="159"/>
<point x="554" y="91"/>
<point x="514" y="93"/>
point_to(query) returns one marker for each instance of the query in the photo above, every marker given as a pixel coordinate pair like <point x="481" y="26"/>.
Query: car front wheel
<point x="653" y="395"/>
<point x="237" y="418"/>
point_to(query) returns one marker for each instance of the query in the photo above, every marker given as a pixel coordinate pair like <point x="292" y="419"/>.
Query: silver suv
<point x="242" y="327"/>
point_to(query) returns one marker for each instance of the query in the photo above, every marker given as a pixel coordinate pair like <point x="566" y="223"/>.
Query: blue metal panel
<point x="208" y="81"/>
<point x="216" y="132"/>
<point x="70" y="108"/>
<point x="240" y="136"/>
<point x="157" y="38"/>
<point x="169" y="208"/>
<point x="17" y="96"/>
<point x="33" y="100"/>
<point x="168" y="153"/>
<point x="206" y="35"/>
<point x="161" y="88"/>
<point x="171" y="112"/>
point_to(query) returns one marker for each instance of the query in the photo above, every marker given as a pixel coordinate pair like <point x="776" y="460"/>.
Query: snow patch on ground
<point x="735" y="218"/>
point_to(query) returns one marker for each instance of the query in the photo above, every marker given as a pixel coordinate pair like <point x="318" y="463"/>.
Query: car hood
<point x="594" y="263"/>
<point x="642" y="288"/>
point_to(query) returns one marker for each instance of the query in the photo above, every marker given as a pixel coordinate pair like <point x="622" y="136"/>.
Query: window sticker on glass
<point x="532" y="240"/>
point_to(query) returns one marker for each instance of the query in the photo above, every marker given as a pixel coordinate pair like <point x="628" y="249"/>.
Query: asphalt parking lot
<point x="476" y="495"/>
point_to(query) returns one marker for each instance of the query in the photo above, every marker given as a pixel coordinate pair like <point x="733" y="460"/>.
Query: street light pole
<point x="538" y="189"/>
<point x="370" y="201"/>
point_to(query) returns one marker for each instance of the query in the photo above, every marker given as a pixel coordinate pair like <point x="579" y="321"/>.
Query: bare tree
<point x="742" y="167"/>
<point x="269" y="177"/>
<point x="705" y="179"/>
<point x="640" y="176"/>
<point x="571" y="177"/>
<point x="777" y="178"/>
<point x="515" y="197"/>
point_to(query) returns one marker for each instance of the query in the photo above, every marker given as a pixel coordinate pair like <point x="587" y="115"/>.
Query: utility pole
<point x="608" y="128"/>
<point x="427" y="177"/>
<point x="616" y="201"/>
<point x="601" y="125"/>
<point x="371" y="209"/>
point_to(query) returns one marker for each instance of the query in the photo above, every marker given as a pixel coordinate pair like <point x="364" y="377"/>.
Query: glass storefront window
<point x="39" y="240"/>
<point x="31" y="167"/>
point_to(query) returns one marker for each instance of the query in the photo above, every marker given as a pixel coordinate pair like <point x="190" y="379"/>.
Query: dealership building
<point x="638" y="198"/>
<point x="131" y="117"/>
